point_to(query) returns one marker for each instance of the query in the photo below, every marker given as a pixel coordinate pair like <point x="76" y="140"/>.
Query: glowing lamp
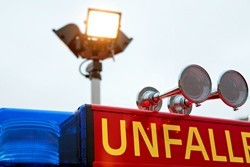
<point x="102" y="39"/>
<point x="103" y="24"/>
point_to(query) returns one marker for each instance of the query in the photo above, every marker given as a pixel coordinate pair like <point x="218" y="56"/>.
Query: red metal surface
<point x="137" y="138"/>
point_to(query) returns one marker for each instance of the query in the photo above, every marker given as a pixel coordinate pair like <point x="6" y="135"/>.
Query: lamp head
<point x="195" y="84"/>
<point x="233" y="89"/>
<point x="102" y="23"/>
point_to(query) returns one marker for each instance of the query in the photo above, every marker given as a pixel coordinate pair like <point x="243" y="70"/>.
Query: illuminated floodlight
<point x="103" y="24"/>
<point x="102" y="39"/>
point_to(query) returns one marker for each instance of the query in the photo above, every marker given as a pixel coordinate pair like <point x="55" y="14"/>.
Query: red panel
<point x="192" y="141"/>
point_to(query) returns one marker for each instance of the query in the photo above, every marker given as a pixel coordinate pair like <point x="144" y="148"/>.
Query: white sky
<point x="38" y="71"/>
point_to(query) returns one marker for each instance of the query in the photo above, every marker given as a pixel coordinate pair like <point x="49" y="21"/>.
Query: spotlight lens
<point x="103" y="24"/>
<point x="233" y="89"/>
<point x="195" y="84"/>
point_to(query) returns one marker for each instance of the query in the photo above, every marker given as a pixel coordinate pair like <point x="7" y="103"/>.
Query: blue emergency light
<point x="30" y="137"/>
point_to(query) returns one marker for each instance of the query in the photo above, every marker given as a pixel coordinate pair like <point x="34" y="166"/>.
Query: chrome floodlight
<point x="232" y="89"/>
<point x="194" y="86"/>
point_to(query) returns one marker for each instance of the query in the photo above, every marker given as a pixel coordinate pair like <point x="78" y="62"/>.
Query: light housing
<point x="102" y="23"/>
<point x="95" y="43"/>
<point x="144" y="99"/>
<point x="195" y="84"/>
<point x="178" y="105"/>
<point x="233" y="89"/>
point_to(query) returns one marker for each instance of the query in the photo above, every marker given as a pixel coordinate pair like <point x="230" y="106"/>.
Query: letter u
<point x="105" y="142"/>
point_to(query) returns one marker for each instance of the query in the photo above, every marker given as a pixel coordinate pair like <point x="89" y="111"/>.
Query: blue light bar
<point x="30" y="137"/>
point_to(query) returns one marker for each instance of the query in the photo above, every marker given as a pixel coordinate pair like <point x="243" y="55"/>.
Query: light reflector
<point x="195" y="84"/>
<point x="103" y="24"/>
<point x="233" y="89"/>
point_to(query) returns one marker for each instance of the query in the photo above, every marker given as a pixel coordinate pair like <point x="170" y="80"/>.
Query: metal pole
<point x="95" y="91"/>
<point x="94" y="69"/>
